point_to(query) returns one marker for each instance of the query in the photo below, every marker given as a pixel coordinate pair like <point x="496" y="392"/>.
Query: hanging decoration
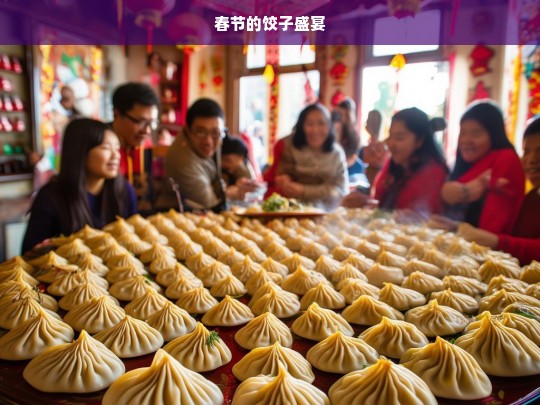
<point x="337" y="98"/>
<point x="339" y="70"/>
<point x="480" y="92"/>
<point x="189" y="31"/>
<point x="529" y="21"/>
<point x="398" y="62"/>
<point x="403" y="8"/>
<point x="481" y="55"/>
<point x="514" y="95"/>
<point x="310" y="96"/>
<point x="272" y="63"/>
<point x="202" y="77"/>
<point x="269" y="74"/>
<point x="216" y="61"/>
<point x="532" y="73"/>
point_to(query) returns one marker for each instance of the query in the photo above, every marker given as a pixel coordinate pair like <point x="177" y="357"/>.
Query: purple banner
<point x="242" y="22"/>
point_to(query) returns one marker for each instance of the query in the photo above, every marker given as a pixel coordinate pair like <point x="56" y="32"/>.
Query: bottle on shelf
<point x="5" y="84"/>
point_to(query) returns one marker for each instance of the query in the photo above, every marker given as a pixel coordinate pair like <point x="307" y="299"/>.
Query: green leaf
<point x="213" y="337"/>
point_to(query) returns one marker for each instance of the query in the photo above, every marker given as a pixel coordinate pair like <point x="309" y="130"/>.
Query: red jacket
<point x="501" y="205"/>
<point x="421" y="191"/>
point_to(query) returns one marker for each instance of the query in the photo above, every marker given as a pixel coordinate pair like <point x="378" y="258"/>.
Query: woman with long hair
<point x="484" y="157"/>
<point x="344" y="120"/>
<point x="411" y="179"/>
<point x="312" y="167"/>
<point x="88" y="189"/>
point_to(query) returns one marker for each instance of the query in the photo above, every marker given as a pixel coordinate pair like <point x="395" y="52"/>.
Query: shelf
<point x="4" y="178"/>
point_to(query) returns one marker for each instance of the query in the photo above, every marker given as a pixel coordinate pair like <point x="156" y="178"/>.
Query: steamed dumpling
<point x="267" y="360"/>
<point x="529" y="327"/>
<point x="492" y="268"/>
<point x="245" y="269"/>
<point x="436" y="320"/>
<point x="301" y="280"/>
<point x="366" y="310"/>
<point x="274" y="266"/>
<point x="281" y="389"/>
<point x="132" y="288"/>
<point x="392" y="260"/>
<point x="422" y="282"/>
<point x="415" y="265"/>
<point x="18" y="308"/>
<point x="359" y="262"/>
<point x="262" y="331"/>
<point x="496" y="302"/>
<point x="229" y="285"/>
<point x="186" y="249"/>
<point x="314" y="250"/>
<point x="465" y="285"/>
<point x="16" y="261"/>
<point x="122" y="273"/>
<point x="379" y="274"/>
<point x="144" y="306"/>
<point x="325" y="296"/>
<point x="448" y="370"/>
<point x="504" y="283"/>
<point x="531" y="273"/>
<point x="73" y="249"/>
<point x="17" y="273"/>
<point x="383" y="383"/>
<point x="213" y="273"/>
<point x="130" y="338"/>
<point x="281" y="303"/>
<point x="182" y="285"/>
<point x="172" y="321"/>
<point x="33" y="336"/>
<point x="170" y="275"/>
<point x="353" y="288"/>
<point x="95" y="315"/>
<point x="200" y="350"/>
<point x="347" y="271"/>
<point x="400" y="298"/>
<point x="165" y="382"/>
<point x="460" y="302"/>
<point x="297" y="260"/>
<point x="231" y="256"/>
<point x="260" y="278"/>
<point x="392" y="338"/>
<point x="80" y="294"/>
<point x="83" y="366"/>
<point x="327" y="266"/>
<point x="341" y="354"/>
<point x="156" y="251"/>
<point x="199" y="261"/>
<point x="318" y="323"/>
<point x="500" y="350"/>
<point x="196" y="301"/>
<point x="93" y="263"/>
<point x="162" y="263"/>
<point x="229" y="312"/>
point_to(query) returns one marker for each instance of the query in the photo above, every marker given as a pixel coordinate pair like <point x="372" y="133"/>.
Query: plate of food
<point x="277" y="206"/>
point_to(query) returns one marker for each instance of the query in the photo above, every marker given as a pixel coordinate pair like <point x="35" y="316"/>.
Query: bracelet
<point x="466" y="193"/>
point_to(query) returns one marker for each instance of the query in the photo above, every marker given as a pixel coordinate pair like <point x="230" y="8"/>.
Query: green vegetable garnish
<point x="213" y="337"/>
<point x="275" y="203"/>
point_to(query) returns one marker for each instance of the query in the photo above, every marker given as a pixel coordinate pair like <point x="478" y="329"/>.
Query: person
<point x="135" y="108"/>
<point x="67" y="101"/>
<point x="312" y="167"/>
<point x="485" y="154"/>
<point x="193" y="161"/>
<point x="237" y="171"/>
<point x="524" y="240"/>
<point x="88" y="190"/>
<point x="375" y="153"/>
<point x="344" y="119"/>
<point x="412" y="178"/>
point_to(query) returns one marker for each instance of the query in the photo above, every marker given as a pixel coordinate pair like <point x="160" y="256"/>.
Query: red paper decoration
<point x="189" y="29"/>
<point x="481" y="55"/>
<point x="337" y="98"/>
<point x="403" y="8"/>
<point x="480" y="92"/>
<point x="339" y="72"/>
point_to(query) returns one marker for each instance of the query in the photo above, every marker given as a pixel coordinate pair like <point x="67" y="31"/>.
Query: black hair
<point x="234" y="146"/>
<point x="533" y="128"/>
<point x="489" y="116"/>
<point x="127" y="95"/>
<point x="349" y="105"/>
<point x="150" y="56"/>
<point x="299" y="136"/>
<point x="203" y="107"/>
<point x="80" y="136"/>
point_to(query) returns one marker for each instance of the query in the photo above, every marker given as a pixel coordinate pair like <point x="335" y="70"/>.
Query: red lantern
<point x="339" y="72"/>
<point x="403" y="8"/>
<point x="149" y="14"/>
<point x="189" y="29"/>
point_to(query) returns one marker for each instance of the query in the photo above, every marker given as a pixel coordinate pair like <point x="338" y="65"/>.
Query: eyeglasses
<point x="203" y="133"/>
<point x="143" y="123"/>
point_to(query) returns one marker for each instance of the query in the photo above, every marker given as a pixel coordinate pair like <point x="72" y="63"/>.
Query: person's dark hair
<point x="299" y="136"/>
<point x="150" y="58"/>
<point x="127" y="95"/>
<point x="489" y="116"/>
<point x="533" y="128"/>
<point x="349" y="105"/>
<point x="80" y="136"/>
<point x="234" y="146"/>
<point x="203" y="107"/>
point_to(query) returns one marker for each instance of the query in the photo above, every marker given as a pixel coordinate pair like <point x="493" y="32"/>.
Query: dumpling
<point x="496" y="302"/>
<point x="59" y="368"/>
<point x="200" y="350"/>
<point x="48" y="260"/>
<point x="360" y="262"/>
<point x="215" y="247"/>
<point x="229" y="312"/>
<point x="262" y="331"/>
<point x="16" y="309"/>
<point x="318" y="323"/>
<point x="501" y="351"/>
<point x="434" y="257"/>
<point x="182" y="285"/>
<point x="329" y="240"/>
<point x="400" y="298"/>
<point x="162" y="263"/>
<point x="73" y="249"/>
<point x="419" y="265"/>
<point x="383" y="383"/>
<point x="460" y="302"/>
<point x="392" y="338"/>
<point x="533" y="290"/>
<point x="199" y="261"/>
<point x="255" y="253"/>
<point x="245" y="269"/>
<point x="281" y="389"/>
<point x="366" y="310"/>
<point x="184" y="250"/>
<point x="422" y="282"/>
<point x="524" y="310"/>
<point x="354" y="288"/>
<point x="231" y="256"/>
<point x="448" y="370"/>
<point x="112" y="253"/>
<point x="298" y="242"/>
<point x="347" y="271"/>
<point x="16" y="261"/>
<point x="229" y="285"/>
<point x="265" y="289"/>
<point x="379" y="274"/>
<point x="325" y="296"/>
<point x="278" y="252"/>
<point x="341" y="354"/>
<point x="122" y="273"/>
<point x="100" y="242"/>
<point x="531" y="273"/>
<point x="327" y="266"/>
<point x="69" y="278"/>
<point x="95" y="315"/>
<point x="260" y="278"/>
<point x="16" y="290"/>
<point x="144" y="306"/>
<point x="196" y="301"/>
<point x="17" y="273"/>
<point x="297" y="260"/>
<point x="170" y="275"/>
<point x="314" y="250"/>
<point x="281" y="303"/>
<point x="465" y="285"/>
<point x="267" y="360"/>
<point x="165" y="382"/>
<point x="340" y="253"/>
<point x="93" y="263"/>
<point x="132" y="288"/>
<point x="392" y="260"/>
<point x="130" y="338"/>
<point x="133" y="243"/>
<point x="81" y="294"/>
<point x="369" y="249"/>
<point x="529" y="327"/>
<point x="504" y="283"/>
<point x="302" y="280"/>
<point x="459" y="267"/>
<point x="492" y="268"/>
<point x="436" y="320"/>
<point x="274" y="266"/>
<point x="171" y="321"/>
<point x="119" y="227"/>
<point x="211" y="274"/>
<point x="123" y="260"/>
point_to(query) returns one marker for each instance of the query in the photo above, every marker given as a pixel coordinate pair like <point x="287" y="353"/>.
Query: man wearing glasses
<point x="193" y="160"/>
<point x="135" y="107"/>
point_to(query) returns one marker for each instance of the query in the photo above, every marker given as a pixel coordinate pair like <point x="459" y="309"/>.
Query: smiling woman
<point x="88" y="189"/>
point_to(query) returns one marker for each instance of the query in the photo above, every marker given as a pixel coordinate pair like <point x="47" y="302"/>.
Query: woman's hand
<point x="355" y="199"/>
<point x="292" y="189"/>
<point x="375" y="154"/>
<point x="444" y="223"/>
<point x="281" y="180"/>
<point x="480" y="236"/>
<point x="454" y="192"/>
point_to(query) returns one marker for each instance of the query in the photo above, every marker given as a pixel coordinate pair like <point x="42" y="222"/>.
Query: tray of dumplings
<point x="355" y="309"/>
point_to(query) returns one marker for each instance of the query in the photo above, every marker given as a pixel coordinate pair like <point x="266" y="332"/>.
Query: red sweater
<point x="421" y="191"/>
<point x="501" y="205"/>
<point x="524" y="242"/>
<point x="271" y="173"/>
